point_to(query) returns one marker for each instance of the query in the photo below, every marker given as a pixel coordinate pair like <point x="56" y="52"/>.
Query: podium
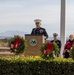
<point x="34" y="44"/>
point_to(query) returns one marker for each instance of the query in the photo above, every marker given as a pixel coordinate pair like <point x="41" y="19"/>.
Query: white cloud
<point x="70" y="16"/>
<point x="22" y="13"/>
<point x="24" y="17"/>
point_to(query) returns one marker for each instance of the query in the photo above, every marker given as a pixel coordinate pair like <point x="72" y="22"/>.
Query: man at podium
<point x="39" y="30"/>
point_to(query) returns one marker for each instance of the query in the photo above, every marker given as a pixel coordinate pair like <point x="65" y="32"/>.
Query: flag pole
<point x="63" y="26"/>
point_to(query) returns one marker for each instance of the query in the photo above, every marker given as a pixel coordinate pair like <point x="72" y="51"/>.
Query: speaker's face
<point x="38" y="24"/>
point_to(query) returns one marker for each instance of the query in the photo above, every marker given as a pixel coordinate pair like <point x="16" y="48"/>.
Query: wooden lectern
<point x="34" y="44"/>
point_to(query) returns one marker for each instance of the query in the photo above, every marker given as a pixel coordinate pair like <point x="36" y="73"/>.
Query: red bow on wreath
<point x="16" y="43"/>
<point x="49" y="48"/>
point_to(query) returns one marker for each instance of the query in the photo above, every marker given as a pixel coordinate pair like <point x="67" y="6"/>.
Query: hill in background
<point x="10" y="34"/>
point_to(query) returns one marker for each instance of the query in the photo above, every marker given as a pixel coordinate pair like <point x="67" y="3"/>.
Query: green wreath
<point x="17" y="45"/>
<point x="72" y="52"/>
<point x="49" y="50"/>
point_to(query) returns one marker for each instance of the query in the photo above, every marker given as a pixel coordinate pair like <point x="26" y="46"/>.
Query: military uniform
<point x="58" y="42"/>
<point x="39" y="31"/>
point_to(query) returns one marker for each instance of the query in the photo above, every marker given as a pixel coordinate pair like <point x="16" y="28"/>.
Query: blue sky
<point x="20" y="15"/>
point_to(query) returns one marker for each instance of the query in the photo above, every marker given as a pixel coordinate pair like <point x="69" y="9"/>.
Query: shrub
<point x="36" y="66"/>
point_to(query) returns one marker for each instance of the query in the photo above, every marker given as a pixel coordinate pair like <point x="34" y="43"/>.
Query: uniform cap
<point x="37" y="20"/>
<point x="55" y="34"/>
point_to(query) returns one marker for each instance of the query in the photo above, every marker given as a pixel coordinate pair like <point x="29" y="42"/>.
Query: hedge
<point x="36" y="66"/>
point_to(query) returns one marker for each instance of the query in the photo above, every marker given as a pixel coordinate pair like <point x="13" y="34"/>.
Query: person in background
<point x="58" y="42"/>
<point x="68" y="46"/>
<point x="38" y="30"/>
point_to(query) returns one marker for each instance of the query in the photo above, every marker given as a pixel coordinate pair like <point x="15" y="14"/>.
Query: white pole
<point x="62" y="26"/>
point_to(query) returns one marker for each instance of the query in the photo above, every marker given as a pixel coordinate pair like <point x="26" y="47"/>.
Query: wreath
<point x="49" y="50"/>
<point x="17" y="45"/>
<point x="72" y="52"/>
